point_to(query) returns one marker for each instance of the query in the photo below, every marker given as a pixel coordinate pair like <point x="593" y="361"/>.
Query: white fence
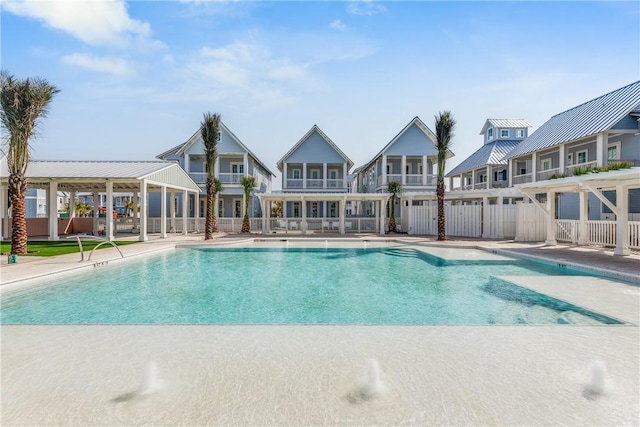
<point x="602" y="233"/>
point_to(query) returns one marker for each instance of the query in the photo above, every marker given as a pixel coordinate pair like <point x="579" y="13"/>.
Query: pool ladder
<point x="88" y="236"/>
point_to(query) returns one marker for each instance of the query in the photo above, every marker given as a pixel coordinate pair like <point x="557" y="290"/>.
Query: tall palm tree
<point x="248" y="183"/>
<point x="277" y="210"/>
<point x="23" y="103"/>
<point x="209" y="128"/>
<point x="395" y="188"/>
<point x="445" y="124"/>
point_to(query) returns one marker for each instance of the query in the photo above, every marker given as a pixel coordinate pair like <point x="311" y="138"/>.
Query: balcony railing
<point x="294" y="183"/>
<point x="569" y="169"/>
<point x="315" y="183"/>
<point x="335" y="183"/>
<point x="225" y="178"/>
<point x="413" y="179"/>
<point x="522" y="179"/>
<point x="545" y="174"/>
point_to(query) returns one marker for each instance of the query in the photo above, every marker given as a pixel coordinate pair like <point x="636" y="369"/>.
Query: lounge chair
<point x="293" y="225"/>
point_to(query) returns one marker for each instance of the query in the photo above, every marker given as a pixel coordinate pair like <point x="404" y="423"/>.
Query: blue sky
<point x="135" y="77"/>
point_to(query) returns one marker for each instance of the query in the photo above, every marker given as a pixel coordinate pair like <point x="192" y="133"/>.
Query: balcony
<point x="335" y="184"/>
<point x="546" y="174"/>
<point x="230" y="178"/>
<point x="522" y="179"/>
<point x="315" y="183"/>
<point x="294" y="184"/>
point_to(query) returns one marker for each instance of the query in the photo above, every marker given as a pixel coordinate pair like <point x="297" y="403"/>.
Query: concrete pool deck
<point x="306" y="375"/>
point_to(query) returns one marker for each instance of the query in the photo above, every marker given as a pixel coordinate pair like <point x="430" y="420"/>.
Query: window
<point x="237" y="208"/>
<point x="481" y="178"/>
<point x="523" y="171"/>
<point x="220" y="207"/>
<point x="407" y="169"/>
<point x="569" y="159"/>
<point x="490" y="134"/>
<point x="613" y="151"/>
<point x="546" y="164"/>
<point x="295" y="173"/>
<point x="314" y="210"/>
<point x="519" y="133"/>
<point x="389" y="168"/>
<point x="333" y="174"/>
<point x="419" y="168"/>
<point x="333" y="210"/>
<point x="500" y="175"/>
<point x="504" y="133"/>
<point x="219" y="136"/>
<point x="237" y="168"/>
<point x="315" y="174"/>
<point x="582" y="156"/>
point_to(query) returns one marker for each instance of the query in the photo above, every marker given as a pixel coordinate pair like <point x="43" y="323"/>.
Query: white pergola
<point x="139" y="177"/>
<point x="621" y="181"/>
<point x="342" y="199"/>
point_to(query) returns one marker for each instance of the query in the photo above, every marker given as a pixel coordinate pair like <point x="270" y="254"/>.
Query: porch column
<point x="263" y="207"/>
<point x="303" y="222"/>
<point x="403" y="167"/>
<point x="53" y="211"/>
<point x="324" y="175"/>
<point x="144" y="215"/>
<point x="172" y="212"/>
<point x="534" y="166"/>
<point x="108" y="216"/>
<point x="602" y="147"/>
<point x="473" y="179"/>
<point x="344" y="175"/>
<point x="163" y="212"/>
<point x="324" y="209"/>
<point x="96" y="212"/>
<point x="245" y="160"/>
<point x="551" y="219"/>
<point x="341" y="209"/>
<point x="383" y="168"/>
<point x="216" y="168"/>
<point x="72" y="204"/>
<point x="304" y="175"/>
<point x="583" y="227"/>
<point x="284" y="175"/>
<point x="4" y="199"/>
<point x="425" y="172"/>
<point x="185" y="213"/>
<point x="561" y="159"/>
<point x="622" y="222"/>
<point x="510" y="173"/>
<point x="216" y="204"/>
<point x="135" y="198"/>
<point x="489" y="177"/>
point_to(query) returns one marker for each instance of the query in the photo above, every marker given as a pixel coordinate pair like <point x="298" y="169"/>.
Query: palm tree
<point x="209" y="128"/>
<point x="248" y="183"/>
<point x="277" y="210"/>
<point x="23" y="103"/>
<point x="130" y="206"/>
<point x="445" y="124"/>
<point x="395" y="188"/>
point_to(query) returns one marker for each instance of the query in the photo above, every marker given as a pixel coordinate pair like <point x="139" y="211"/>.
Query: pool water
<point x="296" y="286"/>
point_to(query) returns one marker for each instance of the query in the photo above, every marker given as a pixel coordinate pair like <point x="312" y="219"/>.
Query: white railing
<point x="545" y="174"/>
<point x="294" y="183"/>
<point x="198" y="177"/>
<point x="521" y="179"/>
<point x="634" y="235"/>
<point x="413" y="179"/>
<point x="230" y="178"/>
<point x="335" y="183"/>
<point x="315" y="183"/>
<point x="569" y="169"/>
<point x="567" y="230"/>
<point x="324" y="225"/>
<point x="602" y="233"/>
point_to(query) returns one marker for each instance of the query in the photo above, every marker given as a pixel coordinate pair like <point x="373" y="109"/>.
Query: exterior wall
<point x="627" y="122"/>
<point x="315" y="149"/>
<point x="412" y="142"/>
<point x="629" y="148"/>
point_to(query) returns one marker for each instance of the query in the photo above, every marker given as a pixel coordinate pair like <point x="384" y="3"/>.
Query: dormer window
<point x="489" y="134"/>
<point x="219" y="135"/>
<point x="504" y="133"/>
<point x="519" y="133"/>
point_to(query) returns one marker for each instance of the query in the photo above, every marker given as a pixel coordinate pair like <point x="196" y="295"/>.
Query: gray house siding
<point x="412" y="142"/>
<point x="627" y="123"/>
<point x="629" y="148"/>
<point x="316" y="150"/>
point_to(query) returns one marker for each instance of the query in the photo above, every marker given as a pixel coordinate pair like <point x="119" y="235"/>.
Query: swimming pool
<point x="294" y="285"/>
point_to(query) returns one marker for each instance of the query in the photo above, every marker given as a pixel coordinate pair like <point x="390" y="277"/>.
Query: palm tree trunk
<point x="441" y="221"/>
<point x="17" y="193"/>
<point x="209" y="222"/>
<point x="392" y="217"/>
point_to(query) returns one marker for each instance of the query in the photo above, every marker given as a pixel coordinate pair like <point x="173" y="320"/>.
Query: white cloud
<point x="117" y="66"/>
<point x="338" y="25"/>
<point x="93" y="22"/>
<point x="365" y="7"/>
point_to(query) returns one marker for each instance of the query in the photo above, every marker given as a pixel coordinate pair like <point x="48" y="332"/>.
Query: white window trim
<point x="544" y="161"/>
<point x="408" y="169"/>
<point x="420" y="168"/>
<point x="315" y="206"/>
<point x="239" y="164"/>
<point x="617" y="147"/>
<point x="502" y="131"/>
<point x="296" y="207"/>
<point x="519" y="133"/>
<point x="586" y="157"/>
<point x="489" y="134"/>
<point x="311" y="171"/>
<point x="389" y="168"/>
<point x="293" y="173"/>
<point x="570" y="159"/>
<point x="220" y="207"/>
<point x="333" y="174"/>
<point x="234" y="208"/>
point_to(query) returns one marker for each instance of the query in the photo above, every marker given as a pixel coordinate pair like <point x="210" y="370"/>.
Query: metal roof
<point x="88" y="175"/>
<point x="315" y="128"/>
<point x="590" y="118"/>
<point x="505" y="123"/>
<point x="489" y="154"/>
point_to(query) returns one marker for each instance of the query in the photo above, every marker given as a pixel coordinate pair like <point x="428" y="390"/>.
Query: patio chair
<point x="293" y="225"/>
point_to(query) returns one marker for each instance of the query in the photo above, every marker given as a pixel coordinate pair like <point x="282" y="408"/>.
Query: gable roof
<point x="504" y="123"/>
<point x="180" y="149"/>
<point x="489" y="154"/>
<point x="313" y="129"/>
<point x="416" y="120"/>
<point x="590" y="118"/>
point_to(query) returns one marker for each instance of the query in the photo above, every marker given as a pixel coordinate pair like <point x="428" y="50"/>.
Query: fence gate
<point x="531" y="224"/>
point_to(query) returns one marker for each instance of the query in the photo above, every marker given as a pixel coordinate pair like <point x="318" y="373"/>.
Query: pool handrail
<point x="90" y="236"/>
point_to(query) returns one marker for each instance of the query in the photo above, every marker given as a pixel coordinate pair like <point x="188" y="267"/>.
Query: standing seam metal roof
<point x="590" y="118"/>
<point x="489" y="154"/>
<point x="505" y="123"/>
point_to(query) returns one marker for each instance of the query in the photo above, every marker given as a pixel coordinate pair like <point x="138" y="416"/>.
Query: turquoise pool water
<point x="296" y="286"/>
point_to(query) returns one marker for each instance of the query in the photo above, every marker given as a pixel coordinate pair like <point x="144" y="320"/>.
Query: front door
<point x="237" y="208"/>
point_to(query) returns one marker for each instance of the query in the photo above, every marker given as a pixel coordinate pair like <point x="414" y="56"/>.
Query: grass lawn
<point x="60" y="247"/>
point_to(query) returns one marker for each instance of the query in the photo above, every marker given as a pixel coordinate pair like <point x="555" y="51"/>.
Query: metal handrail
<point x="88" y="236"/>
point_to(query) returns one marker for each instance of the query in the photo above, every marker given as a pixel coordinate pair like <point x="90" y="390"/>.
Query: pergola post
<point x="96" y="211"/>
<point x="144" y="214"/>
<point x="53" y="210"/>
<point x="172" y="212"/>
<point x="383" y="215"/>
<point x="303" y="221"/>
<point x="341" y="209"/>
<point x="196" y="212"/>
<point x="551" y="219"/>
<point x="583" y="230"/>
<point x="185" y="213"/>
<point x="163" y="212"/>
<point x="622" y="217"/>
<point x="108" y="216"/>
<point x="263" y="207"/>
